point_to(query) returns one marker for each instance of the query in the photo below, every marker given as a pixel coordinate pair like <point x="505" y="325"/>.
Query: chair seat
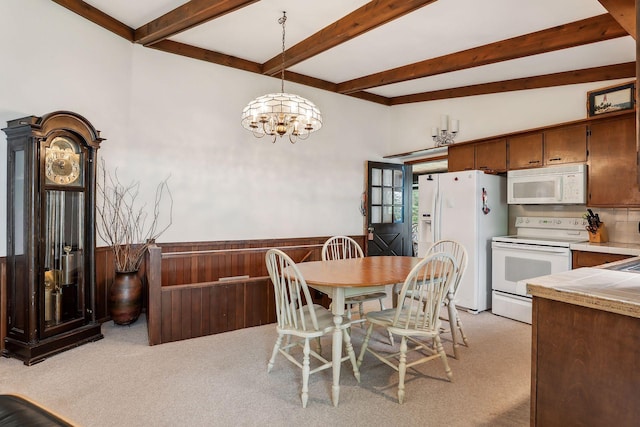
<point x="386" y="317"/>
<point x="325" y="323"/>
<point x="365" y="298"/>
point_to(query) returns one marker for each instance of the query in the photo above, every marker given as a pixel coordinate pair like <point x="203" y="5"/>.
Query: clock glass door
<point x="63" y="261"/>
<point x="63" y="244"/>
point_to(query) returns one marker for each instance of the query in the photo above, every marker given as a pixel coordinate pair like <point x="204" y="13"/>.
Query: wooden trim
<point x="154" y="286"/>
<point x="358" y="22"/>
<point x="586" y="31"/>
<point x="98" y="17"/>
<point x="189" y="15"/>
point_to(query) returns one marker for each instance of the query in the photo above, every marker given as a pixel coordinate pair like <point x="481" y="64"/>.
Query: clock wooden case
<point x="51" y="275"/>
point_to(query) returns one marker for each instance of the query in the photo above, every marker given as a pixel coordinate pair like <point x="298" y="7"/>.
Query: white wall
<point x="163" y="114"/>
<point x="487" y="115"/>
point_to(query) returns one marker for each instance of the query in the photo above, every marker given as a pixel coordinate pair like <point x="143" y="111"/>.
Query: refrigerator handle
<point x="435" y="220"/>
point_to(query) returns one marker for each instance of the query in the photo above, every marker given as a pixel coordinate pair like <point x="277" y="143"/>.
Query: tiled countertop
<point x="608" y="248"/>
<point x="608" y="290"/>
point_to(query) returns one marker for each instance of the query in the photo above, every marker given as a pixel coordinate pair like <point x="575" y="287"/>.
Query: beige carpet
<point x="222" y="380"/>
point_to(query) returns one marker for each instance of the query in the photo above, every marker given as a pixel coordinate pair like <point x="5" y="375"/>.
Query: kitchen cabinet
<point x="525" y="151"/>
<point x="461" y="157"/>
<point x="612" y="163"/>
<point x="567" y="144"/>
<point x="584" y="364"/>
<point x="591" y="259"/>
<point x="492" y="155"/>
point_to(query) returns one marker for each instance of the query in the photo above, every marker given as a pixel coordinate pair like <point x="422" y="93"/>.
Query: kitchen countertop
<point x="593" y="287"/>
<point x="608" y="248"/>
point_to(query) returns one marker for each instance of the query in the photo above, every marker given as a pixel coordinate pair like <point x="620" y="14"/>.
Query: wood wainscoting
<point x="203" y="288"/>
<point x="207" y="288"/>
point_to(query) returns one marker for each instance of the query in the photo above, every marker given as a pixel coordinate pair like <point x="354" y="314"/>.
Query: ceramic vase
<point x="125" y="298"/>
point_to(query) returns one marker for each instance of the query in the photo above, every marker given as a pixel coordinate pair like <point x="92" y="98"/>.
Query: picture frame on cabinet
<point x="611" y="99"/>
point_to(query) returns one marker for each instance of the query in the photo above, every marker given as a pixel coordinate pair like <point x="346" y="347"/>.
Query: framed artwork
<point x="611" y="99"/>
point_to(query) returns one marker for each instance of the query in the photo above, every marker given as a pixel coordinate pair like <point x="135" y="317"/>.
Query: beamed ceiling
<point x="389" y="51"/>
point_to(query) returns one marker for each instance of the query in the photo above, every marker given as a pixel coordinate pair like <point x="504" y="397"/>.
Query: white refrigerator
<point x="471" y="208"/>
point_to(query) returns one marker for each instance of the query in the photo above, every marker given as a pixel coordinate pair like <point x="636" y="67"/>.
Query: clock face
<point x="62" y="162"/>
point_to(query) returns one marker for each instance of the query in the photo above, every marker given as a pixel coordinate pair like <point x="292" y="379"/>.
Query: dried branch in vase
<point x="125" y="225"/>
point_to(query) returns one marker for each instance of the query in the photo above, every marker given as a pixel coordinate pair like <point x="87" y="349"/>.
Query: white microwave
<point x="560" y="185"/>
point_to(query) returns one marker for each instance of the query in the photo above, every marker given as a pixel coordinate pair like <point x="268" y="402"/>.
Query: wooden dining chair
<point x="300" y="320"/>
<point x="459" y="254"/>
<point x="417" y="320"/>
<point x="343" y="247"/>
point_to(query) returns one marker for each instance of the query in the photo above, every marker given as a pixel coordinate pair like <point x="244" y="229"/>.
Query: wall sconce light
<point x="447" y="131"/>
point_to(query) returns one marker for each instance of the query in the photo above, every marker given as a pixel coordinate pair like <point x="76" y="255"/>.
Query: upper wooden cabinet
<point x="461" y="157"/>
<point x="488" y="156"/>
<point x="492" y="155"/>
<point x="612" y="163"/>
<point x="525" y="151"/>
<point x="565" y="145"/>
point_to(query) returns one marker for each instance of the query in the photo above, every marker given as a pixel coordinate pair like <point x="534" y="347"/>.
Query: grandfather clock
<point x="50" y="235"/>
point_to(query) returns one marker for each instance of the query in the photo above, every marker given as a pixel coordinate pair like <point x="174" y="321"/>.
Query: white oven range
<point x="540" y="247"/>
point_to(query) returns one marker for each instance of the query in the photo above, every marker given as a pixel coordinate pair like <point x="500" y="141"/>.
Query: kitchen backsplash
<point x="622" y="223"/>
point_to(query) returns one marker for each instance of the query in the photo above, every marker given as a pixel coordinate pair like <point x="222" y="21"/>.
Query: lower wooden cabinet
<point x="592" y="259"/>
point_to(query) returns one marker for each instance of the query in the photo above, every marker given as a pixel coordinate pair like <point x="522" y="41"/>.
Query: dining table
<point x="352" y="277"/>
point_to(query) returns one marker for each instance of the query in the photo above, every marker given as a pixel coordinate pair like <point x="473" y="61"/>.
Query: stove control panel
<point x="551" y="223"/>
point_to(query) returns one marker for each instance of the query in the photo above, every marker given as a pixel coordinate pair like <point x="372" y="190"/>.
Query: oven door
<point x="514" y="263"/>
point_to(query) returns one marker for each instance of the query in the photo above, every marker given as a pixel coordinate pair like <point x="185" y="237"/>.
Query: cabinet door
<point x="492" y="155"/>
<point x="565" y="145"/>
<point x="612" y="163"/>
<point x="525" y="151"/>
<point x="591" y="259"/>
<point x="461" y="157"/>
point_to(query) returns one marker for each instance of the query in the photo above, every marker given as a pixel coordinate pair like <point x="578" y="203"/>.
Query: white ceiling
<point x="439" y="28"/>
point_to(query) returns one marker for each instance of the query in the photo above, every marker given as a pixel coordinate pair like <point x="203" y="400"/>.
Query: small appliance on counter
<point x="540" y="247"/>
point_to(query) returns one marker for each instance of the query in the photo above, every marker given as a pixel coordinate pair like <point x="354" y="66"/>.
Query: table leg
<point x="337" y="307"/>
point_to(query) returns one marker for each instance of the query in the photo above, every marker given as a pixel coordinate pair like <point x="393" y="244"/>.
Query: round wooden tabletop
<point x="368" y="271"/>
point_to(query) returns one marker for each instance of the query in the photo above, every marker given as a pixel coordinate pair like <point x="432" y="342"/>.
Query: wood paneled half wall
<point x="197" y="289"/>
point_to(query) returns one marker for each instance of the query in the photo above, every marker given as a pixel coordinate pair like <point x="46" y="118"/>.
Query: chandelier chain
<point x="282" y="21"/>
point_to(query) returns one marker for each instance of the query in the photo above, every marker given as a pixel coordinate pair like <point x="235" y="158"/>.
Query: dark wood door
<point x="612" y="163"/>
<point x="388" y="209"/>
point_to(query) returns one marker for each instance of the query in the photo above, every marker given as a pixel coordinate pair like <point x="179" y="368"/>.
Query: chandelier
<point x="279" y="114"/>
<point x="447" y="131"/>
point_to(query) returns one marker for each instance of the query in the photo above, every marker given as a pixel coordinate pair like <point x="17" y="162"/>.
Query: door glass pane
<point x="387" y="178"/>
<point x="397" y="214"/>
<point x="376" y="196"/>
<point x="387" y="215"/>
<point x="397" y="196"/>
<point x="387" y="198"/>
<point x="376" y="214"/>
<point x="376" y="177"/>
<point x="397" y="178"/>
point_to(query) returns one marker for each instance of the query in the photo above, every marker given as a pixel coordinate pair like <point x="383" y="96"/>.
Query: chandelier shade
<point x="279" y="114"/>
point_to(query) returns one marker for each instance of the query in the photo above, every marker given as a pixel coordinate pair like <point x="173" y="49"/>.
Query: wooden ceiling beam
<point x="189" y="15"/>
<point x="98" y="17"/>
<point x="363" y="19"/>
<point x="623" y="11"/>
<point x="253" y="67"/>
<point x="587" y="75"/>
<point x="590" y="30"/>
